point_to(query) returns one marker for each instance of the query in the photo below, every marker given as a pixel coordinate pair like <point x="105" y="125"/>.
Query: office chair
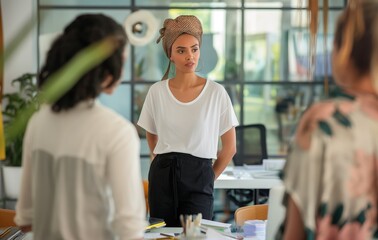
<point x="253" y="212"/>
<point x="251" y="149"/>
<point x="6" y="218"/>
<point x="250" y="145"/>
<point x="145" y="189"/>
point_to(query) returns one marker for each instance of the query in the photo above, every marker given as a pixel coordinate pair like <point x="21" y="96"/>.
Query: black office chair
<point x="251" y="149"/>
<point x="250" y="145"/>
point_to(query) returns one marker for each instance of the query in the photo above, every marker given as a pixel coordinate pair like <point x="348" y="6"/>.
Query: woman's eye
<point x="195" y="49"/>
<point x="180" y="51"/>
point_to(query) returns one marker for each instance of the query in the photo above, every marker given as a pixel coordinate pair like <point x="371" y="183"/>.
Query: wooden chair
<point x="145" y="187"/>
<point x="252" y="212"/>
<point x="6" y="218"/>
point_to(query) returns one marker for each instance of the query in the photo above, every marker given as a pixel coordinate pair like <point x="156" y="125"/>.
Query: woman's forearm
<point x="224" y="158"/>
<point x="152" y="141"/>
<point x="226" y="153"/>
<point x="294" y="229"/>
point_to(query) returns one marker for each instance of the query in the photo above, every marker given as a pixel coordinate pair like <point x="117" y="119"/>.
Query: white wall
<point x="15" y="14"/>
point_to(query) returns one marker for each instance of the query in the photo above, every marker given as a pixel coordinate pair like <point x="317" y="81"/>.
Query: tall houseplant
<point x="13" y="103"/>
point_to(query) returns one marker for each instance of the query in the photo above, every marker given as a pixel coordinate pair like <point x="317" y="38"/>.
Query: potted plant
<point x="12" y="104"/>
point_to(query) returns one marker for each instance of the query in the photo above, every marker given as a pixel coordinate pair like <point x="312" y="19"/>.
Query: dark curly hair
<point x="79" y="34"/>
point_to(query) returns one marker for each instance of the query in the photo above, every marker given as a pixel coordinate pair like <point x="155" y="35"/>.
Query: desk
<point x="239" y="177"/>
<point x="210" y="235"/>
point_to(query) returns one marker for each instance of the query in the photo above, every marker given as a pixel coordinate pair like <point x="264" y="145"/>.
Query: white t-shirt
<point x="81" y="176"/>
<point x="193" y="127"/>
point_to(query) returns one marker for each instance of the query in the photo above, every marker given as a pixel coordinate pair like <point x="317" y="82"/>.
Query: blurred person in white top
<point x="81" y="168"/>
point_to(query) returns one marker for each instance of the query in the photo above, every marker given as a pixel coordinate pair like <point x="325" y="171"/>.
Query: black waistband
<point x="183" y="156"/>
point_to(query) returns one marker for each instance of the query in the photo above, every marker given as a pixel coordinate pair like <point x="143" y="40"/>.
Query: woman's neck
<point x="361" y="85"/>
<point x="185" y="80"/>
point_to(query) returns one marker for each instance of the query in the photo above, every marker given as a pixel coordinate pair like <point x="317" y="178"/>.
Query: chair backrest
<point x="251" y="146"/>
<point x="6" y="218"/>
<point x="251" y="212"/>
<point x="276" y="212"/>
<point x="145" y="187"/>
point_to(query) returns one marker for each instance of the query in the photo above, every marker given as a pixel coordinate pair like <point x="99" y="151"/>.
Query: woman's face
<point x="185" y="53"/>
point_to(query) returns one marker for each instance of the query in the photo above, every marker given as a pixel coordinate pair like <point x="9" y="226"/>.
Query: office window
<point x="257" y="49"/>
<point x="91" y="3"/>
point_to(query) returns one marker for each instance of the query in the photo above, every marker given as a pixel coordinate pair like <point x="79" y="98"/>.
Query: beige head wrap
<point x="173" y="28"/>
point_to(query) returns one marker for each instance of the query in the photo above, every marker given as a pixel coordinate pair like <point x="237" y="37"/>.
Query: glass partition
<point x="190" y="4"/>
<point x="257" y="49"/>
<point x="76" y="3"/>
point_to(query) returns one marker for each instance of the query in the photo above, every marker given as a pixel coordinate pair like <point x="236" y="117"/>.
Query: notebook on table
<point x="155" y="223"/>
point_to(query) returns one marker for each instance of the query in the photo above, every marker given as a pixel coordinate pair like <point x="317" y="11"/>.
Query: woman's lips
<point x="190" y="64"/>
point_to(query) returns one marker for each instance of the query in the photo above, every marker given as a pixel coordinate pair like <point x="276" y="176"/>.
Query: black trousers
<point x="180" y="183"/>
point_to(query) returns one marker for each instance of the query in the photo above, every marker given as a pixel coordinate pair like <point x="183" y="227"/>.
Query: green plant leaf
<point x="18" y="38"/>
<point x="60" y="82"/>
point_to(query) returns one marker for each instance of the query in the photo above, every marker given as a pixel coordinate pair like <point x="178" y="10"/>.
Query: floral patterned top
<point x="332" y="168"/>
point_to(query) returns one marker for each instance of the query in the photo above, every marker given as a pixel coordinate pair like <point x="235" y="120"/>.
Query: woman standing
<point x="331" y="177"/>
<point x="184" y="117"/>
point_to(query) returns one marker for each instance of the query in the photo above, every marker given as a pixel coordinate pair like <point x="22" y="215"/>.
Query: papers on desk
<point x="243" y="174"/>
<point x="211" y="234"/>
<point x="254" y="228"/>
<point x="273" y="164"/>
<point x="215" y="225"/>
<point x="266" y="174"/>
<point x="254" y="167"/>
<point x="159" y="236"/>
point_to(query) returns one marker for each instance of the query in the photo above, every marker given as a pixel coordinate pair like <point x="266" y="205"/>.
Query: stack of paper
<point x="225" y="227"/>
<point x="274" y="164"/>
<point x="254" y="228"/>
<point x="266" y="174"/>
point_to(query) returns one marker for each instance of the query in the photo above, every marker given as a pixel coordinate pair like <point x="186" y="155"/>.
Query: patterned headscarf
<point x="173" y="28"/>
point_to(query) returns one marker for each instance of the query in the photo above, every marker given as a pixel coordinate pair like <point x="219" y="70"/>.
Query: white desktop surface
<point x="210" y="235"/>
<point x="247" y="177"/>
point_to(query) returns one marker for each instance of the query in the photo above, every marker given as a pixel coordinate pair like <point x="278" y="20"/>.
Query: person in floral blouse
<point x="331" y="175"/>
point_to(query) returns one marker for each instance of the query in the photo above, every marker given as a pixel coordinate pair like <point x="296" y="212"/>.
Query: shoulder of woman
<point x="159" y="84"/>
<point x="156" y="87"/>
<point x="215" y="86"/>
<point x="310" y="120"/>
